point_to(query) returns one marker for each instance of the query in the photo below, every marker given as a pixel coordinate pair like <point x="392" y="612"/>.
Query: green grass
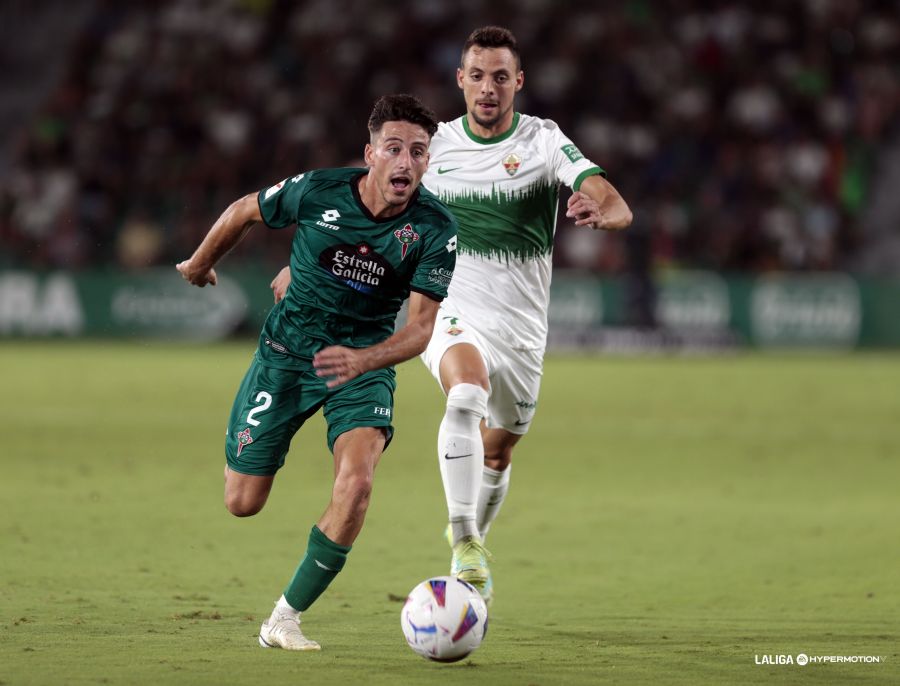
<point x="669" y="520"/>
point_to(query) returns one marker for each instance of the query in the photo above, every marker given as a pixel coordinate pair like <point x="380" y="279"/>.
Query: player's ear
<point x="459" y="77"/>
<point x="520" y="81"/>
<point x="369" y="155"/>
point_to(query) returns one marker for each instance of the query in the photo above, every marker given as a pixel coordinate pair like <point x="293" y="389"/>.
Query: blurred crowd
<point x="744" y="135"/>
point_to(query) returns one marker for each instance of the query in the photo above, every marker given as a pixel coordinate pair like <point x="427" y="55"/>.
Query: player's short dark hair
<point x="401" y="107"/>
<point x="492" y="37"/>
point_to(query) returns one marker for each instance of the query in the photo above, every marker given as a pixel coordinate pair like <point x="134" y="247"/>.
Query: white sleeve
<point x="566" y="161"/>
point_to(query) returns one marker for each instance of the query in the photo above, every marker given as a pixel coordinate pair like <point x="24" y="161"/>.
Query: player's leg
<point x="268" y="409"/>
<point x="498" y="449"/>
<point x="464" y="377"/>
<point x="245" y="494"/>
<point x="358" y="417"/>
<point x="356" y="454"/>
<point x="455" y="358"/>
<point x="515" y="383"/>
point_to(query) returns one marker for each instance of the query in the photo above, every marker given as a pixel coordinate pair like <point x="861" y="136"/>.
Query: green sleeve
<point x="435" y="268"/>
<point x="279" y="204"/>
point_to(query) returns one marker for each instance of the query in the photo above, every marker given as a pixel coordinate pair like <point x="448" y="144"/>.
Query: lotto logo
<point x="330" y="215"/>
<point x="451" y="244"/>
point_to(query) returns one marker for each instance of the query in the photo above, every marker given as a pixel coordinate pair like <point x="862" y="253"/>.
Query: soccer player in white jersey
<point x="499" y="171"/>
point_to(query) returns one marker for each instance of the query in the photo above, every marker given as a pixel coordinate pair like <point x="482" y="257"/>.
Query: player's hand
<point x="585" y="210"/>
<point x="280" y="283"/>
<point x="198" y="277"/>
<point x="338" y="364"/>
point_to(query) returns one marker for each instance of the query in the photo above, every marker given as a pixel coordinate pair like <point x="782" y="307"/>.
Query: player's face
<point x="397" y="157"/>
<point x="490" y="80"/>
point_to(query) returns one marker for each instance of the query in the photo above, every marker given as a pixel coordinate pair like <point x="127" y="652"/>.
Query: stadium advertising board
<point x="693" y="310"/>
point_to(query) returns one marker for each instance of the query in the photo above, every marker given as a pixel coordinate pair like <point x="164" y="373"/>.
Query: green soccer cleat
<point x="470" y="563"/>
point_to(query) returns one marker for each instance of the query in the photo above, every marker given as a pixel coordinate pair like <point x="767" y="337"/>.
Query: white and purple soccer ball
<point x="444" y="619"/>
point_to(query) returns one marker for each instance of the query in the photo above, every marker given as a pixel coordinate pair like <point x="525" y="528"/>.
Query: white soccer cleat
<point x="282" y="630"/>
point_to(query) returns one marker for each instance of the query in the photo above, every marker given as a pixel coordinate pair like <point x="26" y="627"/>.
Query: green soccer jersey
<point x="350" y="272"/>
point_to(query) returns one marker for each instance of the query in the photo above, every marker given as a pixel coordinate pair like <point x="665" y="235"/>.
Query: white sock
<point x="461" y="455"/>
<point x="283" y="607"/>
<point x="494" y="486"/>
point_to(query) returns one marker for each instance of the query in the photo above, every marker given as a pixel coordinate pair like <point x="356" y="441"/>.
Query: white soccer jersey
<point x="504" y="193"/>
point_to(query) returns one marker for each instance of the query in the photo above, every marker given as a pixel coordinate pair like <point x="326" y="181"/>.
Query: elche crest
<point x="511" y="163"/>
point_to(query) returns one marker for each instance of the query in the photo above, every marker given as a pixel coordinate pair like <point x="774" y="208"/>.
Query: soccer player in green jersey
<point x="499" y="171"/>
<point x="366" y="240"/>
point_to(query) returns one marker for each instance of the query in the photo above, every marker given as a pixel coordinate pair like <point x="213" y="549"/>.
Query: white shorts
<point x="514" y="374"/>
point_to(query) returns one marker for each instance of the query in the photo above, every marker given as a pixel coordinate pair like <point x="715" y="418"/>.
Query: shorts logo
<point x="407" y="237"/>
<point x="453" y="329"/>
<point x="511" y="163"/>
<point x="451" y="244"/>
<point x="243" y="438"/>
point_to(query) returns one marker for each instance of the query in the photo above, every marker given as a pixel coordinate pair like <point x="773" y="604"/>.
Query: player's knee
<point x="353" y="489"/>
<point x="467" y="399"/>
<point x="243" y="504"/>
<point x="498" y="458"/>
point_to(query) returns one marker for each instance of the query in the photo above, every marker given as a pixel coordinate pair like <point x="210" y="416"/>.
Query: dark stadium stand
<point x="745" y="139"/>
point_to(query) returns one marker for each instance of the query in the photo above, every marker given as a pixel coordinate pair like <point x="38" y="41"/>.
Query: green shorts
<point x="272" y="404"/>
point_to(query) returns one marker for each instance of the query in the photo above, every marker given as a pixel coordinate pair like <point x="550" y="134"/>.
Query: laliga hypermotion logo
<point x="243" y="438"/>
<point x="407" y="237"/>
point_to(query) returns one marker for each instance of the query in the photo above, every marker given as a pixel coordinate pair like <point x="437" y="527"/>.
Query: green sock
<point x="323" y="560"/>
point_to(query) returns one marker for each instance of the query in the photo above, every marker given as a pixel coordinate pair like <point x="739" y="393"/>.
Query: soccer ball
<point x="444" y="619"/>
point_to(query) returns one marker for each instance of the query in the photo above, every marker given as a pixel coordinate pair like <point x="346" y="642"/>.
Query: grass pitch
<point x="671" y="520"/>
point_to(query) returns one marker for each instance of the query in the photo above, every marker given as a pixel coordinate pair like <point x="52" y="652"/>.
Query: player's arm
<point x="227" y="232"/>
<point x="598" y="204"/>
<point x="342" y="364"/>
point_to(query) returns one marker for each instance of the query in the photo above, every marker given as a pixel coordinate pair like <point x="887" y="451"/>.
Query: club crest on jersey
<point x="363" y="249"/>
<point x="407" y="237"/>
<point x="511" y="163"/>
<point x="243" y="438"/>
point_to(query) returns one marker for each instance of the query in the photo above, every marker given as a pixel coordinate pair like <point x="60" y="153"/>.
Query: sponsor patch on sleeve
<point x="440" y="276"/>
<point x="573" y="153"/>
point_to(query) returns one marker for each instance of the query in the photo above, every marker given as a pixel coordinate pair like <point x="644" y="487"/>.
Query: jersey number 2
<point x="266" y="401"/>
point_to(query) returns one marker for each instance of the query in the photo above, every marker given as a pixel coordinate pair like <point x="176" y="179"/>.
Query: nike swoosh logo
<point x="518" y="423"/>
<point x="448" y="456"/>
<point x="326" y="568"/>
<point x="444" y="171"/>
